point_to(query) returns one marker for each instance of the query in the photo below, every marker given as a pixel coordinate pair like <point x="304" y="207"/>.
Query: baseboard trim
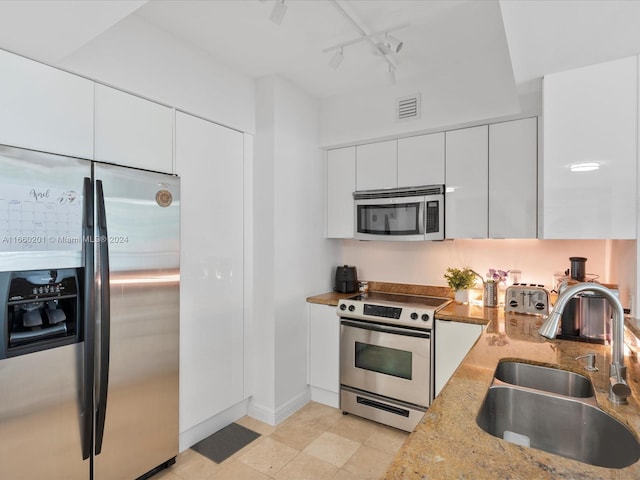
<point x="320" y="395"/>
<point x="276" y="416"/>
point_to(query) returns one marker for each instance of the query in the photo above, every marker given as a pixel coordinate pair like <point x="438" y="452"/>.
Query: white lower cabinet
<point x="453" y="340"/>
<point x="210" y="162"/>
<point x="324" y="354"/>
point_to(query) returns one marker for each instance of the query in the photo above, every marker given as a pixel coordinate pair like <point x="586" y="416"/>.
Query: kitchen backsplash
<point x="424" y="263"/>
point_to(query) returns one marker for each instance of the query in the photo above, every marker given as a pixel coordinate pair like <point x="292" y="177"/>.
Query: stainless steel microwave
<point x="400" y="214"/>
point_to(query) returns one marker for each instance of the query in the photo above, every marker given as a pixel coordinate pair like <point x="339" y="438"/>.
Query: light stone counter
<point x="448" y="443"/>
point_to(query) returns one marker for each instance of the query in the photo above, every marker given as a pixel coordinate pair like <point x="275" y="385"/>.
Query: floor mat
<point x="224" y="443"/>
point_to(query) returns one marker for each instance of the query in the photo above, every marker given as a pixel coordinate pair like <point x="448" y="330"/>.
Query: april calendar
<point x="40" y="218"/>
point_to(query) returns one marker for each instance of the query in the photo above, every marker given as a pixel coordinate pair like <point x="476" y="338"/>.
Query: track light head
<point x="278" y="12"/>
<point x="336" y="59"/>
<point x="393" y="44"/>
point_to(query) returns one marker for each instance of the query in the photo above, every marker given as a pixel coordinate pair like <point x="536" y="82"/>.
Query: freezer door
<point x="40" y="423"/>
<point x="40" y="210"/>
<point x="141" y="410"/>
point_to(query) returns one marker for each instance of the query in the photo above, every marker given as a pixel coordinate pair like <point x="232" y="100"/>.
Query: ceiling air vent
<point x="408" y="107"/>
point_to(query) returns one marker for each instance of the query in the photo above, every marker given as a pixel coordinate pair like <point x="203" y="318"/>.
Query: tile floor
<point x="315" y="443"/>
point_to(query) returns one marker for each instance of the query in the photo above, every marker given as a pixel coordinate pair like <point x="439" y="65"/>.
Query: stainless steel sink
<point x="547" y="379"/>
<point x="555" y="411"/>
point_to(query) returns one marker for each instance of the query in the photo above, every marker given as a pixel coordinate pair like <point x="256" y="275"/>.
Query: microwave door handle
<point x="422" y="217"/>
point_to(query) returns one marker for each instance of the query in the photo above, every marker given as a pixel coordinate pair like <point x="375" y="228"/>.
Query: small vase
<point x="490" y="295"/>
<point x="461" y="296"/>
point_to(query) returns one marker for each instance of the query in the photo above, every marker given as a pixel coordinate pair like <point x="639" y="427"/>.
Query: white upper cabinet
<point x="513" y="174"/>
<point x="590" y="121"/>
<point x="132" y="131"/>
<point x="377" y="165"/>
<point x="421" y="160"/>
<point x="341" y="182"/>
<point x="42" y="108"/>
<point x="467" y="186"/>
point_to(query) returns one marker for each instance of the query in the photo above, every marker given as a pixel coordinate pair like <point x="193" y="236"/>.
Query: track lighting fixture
<point x="383" y="44"/>
<point x="336" y="60"/>
<point x="278" y="12"/>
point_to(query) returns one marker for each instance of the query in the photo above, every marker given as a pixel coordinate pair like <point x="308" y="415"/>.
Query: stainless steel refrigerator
<point x="89" y="285"/>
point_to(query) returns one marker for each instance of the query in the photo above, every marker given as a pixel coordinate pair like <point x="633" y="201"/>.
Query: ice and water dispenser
<point x="41" y="310"/>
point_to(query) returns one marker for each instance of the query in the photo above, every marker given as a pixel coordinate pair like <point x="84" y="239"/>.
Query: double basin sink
<point x="556" y="411"/>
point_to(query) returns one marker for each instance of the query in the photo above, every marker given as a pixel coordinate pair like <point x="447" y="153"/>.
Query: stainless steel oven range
<point x="386" y="356"/>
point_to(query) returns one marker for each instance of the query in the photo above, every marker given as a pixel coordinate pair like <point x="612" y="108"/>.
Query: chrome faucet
<point x="618" y="388"/>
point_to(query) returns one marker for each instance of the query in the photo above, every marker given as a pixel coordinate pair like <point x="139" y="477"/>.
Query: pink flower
<point x="497" y="275"/>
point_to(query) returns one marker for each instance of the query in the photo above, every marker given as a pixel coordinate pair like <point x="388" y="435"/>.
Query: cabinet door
<point x="467" y="183"/>
<point x="45" y="109"/>
<point x="421" y="160"/>
<point x="132" y="131"/>
<point x="453" y="340"/>
<point x="324" y="368"/>
<point x="341" y="182"/>
<point x="210" y="161"/>
<point x="513" y="174"/>
<point x="377" y="165"/>
<point x="590" y="117"/>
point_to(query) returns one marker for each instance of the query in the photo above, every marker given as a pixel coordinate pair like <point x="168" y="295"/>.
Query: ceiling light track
<point x="374" y="35"/>
<point x="363" y="34"/>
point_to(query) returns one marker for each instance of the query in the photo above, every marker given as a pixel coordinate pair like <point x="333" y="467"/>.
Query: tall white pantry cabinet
<point x="209" y="160"/>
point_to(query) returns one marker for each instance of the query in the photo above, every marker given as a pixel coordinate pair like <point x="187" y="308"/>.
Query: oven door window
<point x="397" y="219"/>
<point x="389" y="361"/>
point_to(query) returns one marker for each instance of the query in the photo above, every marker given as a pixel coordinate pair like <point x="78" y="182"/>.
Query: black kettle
<point x="346" y="279"/>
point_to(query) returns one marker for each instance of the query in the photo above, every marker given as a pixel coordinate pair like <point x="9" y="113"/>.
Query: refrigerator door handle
<point x="88" y="314"/>
<point x="105" y="320"/>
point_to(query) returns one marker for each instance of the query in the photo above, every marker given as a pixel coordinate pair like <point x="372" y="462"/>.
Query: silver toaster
<point x="527" y="298"/>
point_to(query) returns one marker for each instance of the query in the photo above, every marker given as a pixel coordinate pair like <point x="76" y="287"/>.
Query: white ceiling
<point x="519" y="41"/>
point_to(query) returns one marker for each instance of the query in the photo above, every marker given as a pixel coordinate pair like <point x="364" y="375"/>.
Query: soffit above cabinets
<point x="499" y="43"/>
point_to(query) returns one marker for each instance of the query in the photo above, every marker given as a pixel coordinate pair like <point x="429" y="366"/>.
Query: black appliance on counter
<point x="346" y="279"/>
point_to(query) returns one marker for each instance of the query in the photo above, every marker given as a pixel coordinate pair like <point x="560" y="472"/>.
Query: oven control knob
<point x="352" y="308"/>
<point x="343" y="306"/>
<point x="425" y="317"/>
<point x="414" y="316"/>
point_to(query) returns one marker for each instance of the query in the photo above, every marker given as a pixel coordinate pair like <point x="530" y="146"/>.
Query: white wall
<point x="140" y="58"/>
<point x="293" y="260"/>
<point x="424" y="263"/>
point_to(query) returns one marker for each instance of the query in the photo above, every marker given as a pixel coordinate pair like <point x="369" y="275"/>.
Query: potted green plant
<point x="460" y="280"/>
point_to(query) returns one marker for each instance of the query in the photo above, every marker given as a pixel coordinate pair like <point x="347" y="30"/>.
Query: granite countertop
<point x="448" y="443"/>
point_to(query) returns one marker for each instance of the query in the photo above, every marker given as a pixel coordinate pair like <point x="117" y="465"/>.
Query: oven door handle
<point x="386" y="329"/>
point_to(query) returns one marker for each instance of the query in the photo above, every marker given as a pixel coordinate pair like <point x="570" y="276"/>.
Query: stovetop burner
<point x="398" y="298"/>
